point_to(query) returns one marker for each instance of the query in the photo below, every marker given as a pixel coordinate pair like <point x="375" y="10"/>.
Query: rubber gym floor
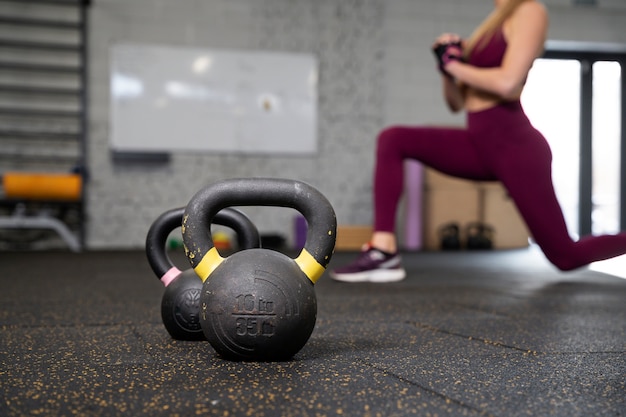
<point x="498" y="333"/>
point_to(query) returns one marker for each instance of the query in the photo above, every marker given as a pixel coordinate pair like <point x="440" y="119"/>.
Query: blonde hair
<point x="487" y="28"/>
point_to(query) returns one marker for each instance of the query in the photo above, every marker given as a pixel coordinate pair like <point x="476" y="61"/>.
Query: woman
<point x="499" y="144"/>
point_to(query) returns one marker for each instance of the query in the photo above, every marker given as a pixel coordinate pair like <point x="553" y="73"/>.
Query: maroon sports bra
<point x="490" y="54"/>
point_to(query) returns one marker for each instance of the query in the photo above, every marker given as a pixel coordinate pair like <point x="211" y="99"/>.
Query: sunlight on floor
<point x="615" y="266"/>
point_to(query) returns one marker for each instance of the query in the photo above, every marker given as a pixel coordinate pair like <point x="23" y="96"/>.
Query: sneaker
<point x="372" y="265"/>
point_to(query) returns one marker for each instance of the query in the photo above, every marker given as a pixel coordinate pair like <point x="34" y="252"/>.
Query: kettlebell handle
<point x="313" y="205"/>
<point x="247" y="237"/>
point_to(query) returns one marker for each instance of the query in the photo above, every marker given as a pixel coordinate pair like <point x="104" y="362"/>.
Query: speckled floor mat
<point x="466" y="334"/>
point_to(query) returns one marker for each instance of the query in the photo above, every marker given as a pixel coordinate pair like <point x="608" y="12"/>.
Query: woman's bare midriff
<point x="477" y="100"/>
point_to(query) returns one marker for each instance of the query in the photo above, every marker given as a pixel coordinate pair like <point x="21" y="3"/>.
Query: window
<point x="551" y="99"/>
<point x="575" y="96"/>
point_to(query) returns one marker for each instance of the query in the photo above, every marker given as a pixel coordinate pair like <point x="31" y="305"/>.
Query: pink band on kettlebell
<point x="170" y="276"/>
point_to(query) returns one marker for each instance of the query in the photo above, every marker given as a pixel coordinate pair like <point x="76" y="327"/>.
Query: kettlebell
<point x="479" y="236"/>
<point x="449" y="236"/>
<point x="180" y="305"/>
<point x="259" y="304"/>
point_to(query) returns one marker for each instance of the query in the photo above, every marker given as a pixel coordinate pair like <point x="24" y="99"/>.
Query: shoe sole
<point x="378" y="276"/>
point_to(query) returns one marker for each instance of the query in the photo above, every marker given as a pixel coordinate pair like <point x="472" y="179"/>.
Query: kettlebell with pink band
<point x="180" y="305"/>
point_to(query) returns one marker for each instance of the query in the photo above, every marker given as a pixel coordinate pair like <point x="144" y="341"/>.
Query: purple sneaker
<point x="372" y="265"/>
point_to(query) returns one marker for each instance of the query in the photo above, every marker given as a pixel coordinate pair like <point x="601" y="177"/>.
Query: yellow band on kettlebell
<point x="208" y="263"/>
<point x="311" y="268"/>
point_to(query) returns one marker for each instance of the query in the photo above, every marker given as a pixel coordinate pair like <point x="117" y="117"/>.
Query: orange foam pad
<point x="44" y="186"/>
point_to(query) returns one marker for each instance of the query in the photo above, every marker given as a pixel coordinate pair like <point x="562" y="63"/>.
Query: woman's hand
<point x="445" y="53"/>
<point x="447" y="47"/>
<point x="446" y="38"/>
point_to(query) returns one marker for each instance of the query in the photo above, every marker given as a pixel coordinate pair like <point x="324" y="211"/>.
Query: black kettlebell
<point x="259" y="304"/>
<point x="449" y="236"/>
<point x="180" y="305"/>
<point x="479" y="236"/>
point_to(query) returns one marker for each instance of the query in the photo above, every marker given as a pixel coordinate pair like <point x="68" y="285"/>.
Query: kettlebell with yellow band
<point x="258" y="304"/>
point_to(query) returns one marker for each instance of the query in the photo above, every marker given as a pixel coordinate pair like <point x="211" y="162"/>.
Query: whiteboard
<point x="173" y="98"/>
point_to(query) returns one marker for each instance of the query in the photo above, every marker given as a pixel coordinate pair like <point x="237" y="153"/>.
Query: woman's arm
<point x="528" y="31"/>
<point x="453" y="94"/>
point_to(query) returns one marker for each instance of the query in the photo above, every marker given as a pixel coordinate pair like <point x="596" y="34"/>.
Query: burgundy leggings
<point x="499" y="144"/>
